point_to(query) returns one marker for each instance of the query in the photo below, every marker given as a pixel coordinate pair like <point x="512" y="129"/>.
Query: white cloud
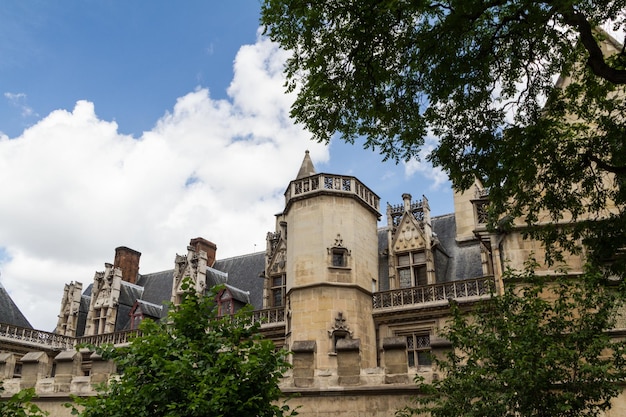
<point x="420" y="166"/>
<point x="74" y="188"/>
<point x="19" y="100"/>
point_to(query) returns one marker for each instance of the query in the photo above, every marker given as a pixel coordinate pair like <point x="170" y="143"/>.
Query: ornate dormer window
<point x="338" y="254"/>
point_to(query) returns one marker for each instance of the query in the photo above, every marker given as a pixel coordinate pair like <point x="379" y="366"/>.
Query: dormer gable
<point x="409" y="235"/>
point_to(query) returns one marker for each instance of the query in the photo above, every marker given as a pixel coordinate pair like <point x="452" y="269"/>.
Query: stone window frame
<point x="418" y="349"/>
<point x="415" y="330"/>
<point x="100" y="315"/>
<point x="338" y="255"/>
<point x="416" y="268"/>
<point x="274" y="289"/>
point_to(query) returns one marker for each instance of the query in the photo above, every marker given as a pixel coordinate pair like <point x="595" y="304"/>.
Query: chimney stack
<point x="201" y="244"/>
<point x="127" y="260"/>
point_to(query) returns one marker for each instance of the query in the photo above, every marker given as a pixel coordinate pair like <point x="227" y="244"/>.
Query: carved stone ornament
<point x="340" y="326"/>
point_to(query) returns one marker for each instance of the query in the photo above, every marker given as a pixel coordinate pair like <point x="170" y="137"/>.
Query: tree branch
<point x="596" y="58"/>
<point x="619" y="170"/>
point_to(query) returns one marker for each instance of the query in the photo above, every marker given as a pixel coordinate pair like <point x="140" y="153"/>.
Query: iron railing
<point x="436" y="292"/>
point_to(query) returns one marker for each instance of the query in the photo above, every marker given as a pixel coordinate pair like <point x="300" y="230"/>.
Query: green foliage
<point x="20" y="405"/>
<point x="541" y="349"/>
<point x="194" y="364"/>
<point x="479" y="76"/>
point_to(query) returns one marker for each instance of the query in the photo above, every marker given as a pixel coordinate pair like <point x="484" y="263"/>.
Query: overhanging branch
<point x="596" y="61"/>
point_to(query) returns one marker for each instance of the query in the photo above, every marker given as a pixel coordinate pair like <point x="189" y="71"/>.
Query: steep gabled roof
<point x="9" y="312"/>
<point x="244" y="273"/>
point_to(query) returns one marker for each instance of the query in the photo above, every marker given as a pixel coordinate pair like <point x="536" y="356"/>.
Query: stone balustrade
<point x="329" y="183"/>
<point x="269" y="316"/>
<point x="476" y="287"/>
<point x="35" y="338"/>
<point x="55" y="342"/>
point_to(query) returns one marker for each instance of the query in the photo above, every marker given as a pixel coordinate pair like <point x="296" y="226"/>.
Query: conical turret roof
<point x="306" y="169"/>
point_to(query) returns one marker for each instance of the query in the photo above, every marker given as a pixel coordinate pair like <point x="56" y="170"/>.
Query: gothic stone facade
<point x="359" y="306"/>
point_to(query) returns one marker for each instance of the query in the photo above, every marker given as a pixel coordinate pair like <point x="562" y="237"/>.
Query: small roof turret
<point x="306" y="169"/>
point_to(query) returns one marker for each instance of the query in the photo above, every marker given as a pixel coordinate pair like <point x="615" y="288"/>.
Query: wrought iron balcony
<point x="476" y="287"/>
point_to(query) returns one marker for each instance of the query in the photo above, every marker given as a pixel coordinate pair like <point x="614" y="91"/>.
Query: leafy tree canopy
<point x="194" y="364"/>
<point x="541" y="349"/>
<point x="479" y="75"/>
<point x="20" y="405"/>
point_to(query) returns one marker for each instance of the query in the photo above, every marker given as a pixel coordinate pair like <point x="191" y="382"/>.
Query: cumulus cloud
<point x="74" y="188"/>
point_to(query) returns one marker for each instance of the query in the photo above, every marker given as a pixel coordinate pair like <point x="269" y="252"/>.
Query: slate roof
<point x="157" y="287"/>
<point x="454" y="261"/>
<point x="9" y="311"/>
<point x="245" y="273"/>
<point x="150" y="310"/>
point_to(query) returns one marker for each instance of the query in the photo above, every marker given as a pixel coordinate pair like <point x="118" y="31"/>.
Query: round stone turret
<point x="330" y="225"/>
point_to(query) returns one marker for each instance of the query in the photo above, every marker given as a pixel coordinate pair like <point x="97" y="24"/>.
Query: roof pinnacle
<point x="306" y="169"/>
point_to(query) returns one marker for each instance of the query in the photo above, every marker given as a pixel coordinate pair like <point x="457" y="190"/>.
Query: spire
<point x="307" y="169"/>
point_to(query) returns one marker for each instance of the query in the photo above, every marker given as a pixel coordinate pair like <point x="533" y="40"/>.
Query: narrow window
<point x="418" y="349"/>
<point x="17" y="370"/>
<point x="404" y="275"/>
<point x="277" y="290"/>
<point x="419" y="272"/>
<point x="339" y="258"/>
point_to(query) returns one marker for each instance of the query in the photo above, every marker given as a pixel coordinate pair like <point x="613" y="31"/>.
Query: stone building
<point x="358" y="305"/>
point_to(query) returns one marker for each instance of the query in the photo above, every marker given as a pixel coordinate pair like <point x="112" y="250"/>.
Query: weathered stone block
<point x="101" y="369"/>
<point x="34" y="367"/>
<point x="67" y="367"/>
<point x="303" y="362"/>
<point x="395" y="356"/>
<point x="7" y="365"/>
<point x="349" y="361"/>
<point x="439" y="346"/>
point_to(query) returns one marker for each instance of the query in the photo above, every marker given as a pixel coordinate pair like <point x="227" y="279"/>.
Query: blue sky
<point x="145" y="124"/>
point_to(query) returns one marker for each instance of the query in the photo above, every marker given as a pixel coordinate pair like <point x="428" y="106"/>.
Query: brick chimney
<point x="127" y="260"/>
<point x="210" y="248"/>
